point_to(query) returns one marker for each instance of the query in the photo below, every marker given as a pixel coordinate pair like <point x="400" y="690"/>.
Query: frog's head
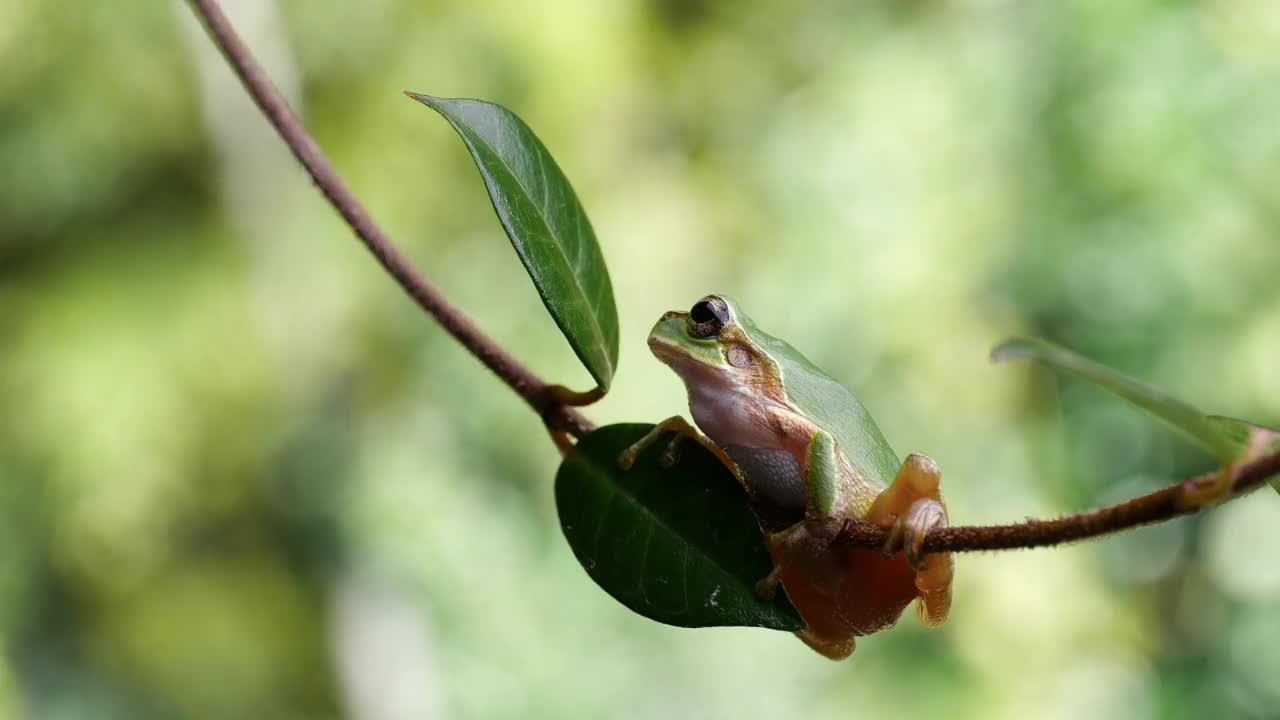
<point x="713" y="345"/>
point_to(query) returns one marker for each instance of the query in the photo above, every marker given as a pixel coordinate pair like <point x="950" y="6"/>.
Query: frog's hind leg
<point x="807" y="539"/>
<point x="910" y="508"/>
<point x="814" y="535"/>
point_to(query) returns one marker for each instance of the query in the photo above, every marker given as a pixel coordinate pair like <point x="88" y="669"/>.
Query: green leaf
<point x="547" y="225"/>
<point x="680" y="545"/>
<point x="1227" y="438"/>
<point x="1241" y="432"/>
<point x="1213" y="436"/>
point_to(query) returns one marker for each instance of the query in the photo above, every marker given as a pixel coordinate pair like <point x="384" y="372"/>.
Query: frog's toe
<point x="925" y="515"/>
<point x="671" y="455"/>
<point x="767" y="587"/>
<point x="836" y="648"/>
<point x="933" y="584"/>
<point x="893" y="539"/>
<point x="627" y="458"/>
<point x="934" y="571"/>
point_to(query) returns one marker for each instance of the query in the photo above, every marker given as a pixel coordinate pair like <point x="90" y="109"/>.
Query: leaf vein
<point x="595" y="325"/>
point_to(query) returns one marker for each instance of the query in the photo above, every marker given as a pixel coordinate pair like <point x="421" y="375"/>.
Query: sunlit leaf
<point x="680" y="546"/>
<point x="1225" y="437"/>
<point x="547" y="225"/>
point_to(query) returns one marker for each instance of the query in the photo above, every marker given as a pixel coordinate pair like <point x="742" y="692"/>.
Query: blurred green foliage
<point x="241" y="475"/>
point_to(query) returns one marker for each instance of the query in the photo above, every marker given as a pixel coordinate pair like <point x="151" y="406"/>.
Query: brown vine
<point x="1164" y="504"/>
<point x="541" y="396"/>
<point x="1155" y="507"/>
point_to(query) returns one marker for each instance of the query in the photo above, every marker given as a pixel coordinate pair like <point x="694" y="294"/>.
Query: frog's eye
<point x="702" y="313"/>
<point x="707" y="317"/>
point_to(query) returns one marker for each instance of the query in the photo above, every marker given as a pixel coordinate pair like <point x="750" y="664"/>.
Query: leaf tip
<point x="1010" y="349"/>
<point x="428" y="100"/>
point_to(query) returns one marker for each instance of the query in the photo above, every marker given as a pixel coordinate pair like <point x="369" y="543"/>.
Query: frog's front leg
<point x="814" y="535"/>
<point x="909" y="509"/>
<point x="808" y="538"/>
<point x="682" y="429"/>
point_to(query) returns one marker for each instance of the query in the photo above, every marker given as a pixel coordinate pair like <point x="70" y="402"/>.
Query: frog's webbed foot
<point x="671" y="455"/>
<point x="806" y="539"/>
<point x="910" y="508"/>
<point x="834" y="648"/>
<point x="908" y="532"/>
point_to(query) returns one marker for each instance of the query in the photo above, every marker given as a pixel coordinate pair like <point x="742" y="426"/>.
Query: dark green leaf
<point x="546" y="224"/>
<point x="680" y="546"/>
<point x="1213" y="436"/>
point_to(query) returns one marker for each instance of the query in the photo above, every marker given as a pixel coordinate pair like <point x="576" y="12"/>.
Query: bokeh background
<point x="241" y="475"/>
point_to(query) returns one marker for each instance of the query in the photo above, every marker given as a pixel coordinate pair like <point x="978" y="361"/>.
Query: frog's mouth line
<point x="664" y="349"/>
<point x="674" y="354"/>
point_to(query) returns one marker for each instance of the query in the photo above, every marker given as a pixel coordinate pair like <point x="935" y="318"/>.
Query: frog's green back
<point x="832" y="406"/>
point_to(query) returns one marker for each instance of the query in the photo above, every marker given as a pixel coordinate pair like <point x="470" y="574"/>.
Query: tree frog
<point x="809" y="457"/>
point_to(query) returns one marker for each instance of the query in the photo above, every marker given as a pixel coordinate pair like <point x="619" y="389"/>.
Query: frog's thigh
<point x="913" y="505"/>
<point x="917" y="478"/>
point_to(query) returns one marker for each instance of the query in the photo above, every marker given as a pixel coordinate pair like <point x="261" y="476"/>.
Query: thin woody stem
<point x="1155" y="507"/>
<point x="1158" y="506"/>
<point x="554" y="413"/>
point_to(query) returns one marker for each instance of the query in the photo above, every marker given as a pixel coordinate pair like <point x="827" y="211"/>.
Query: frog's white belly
<point x="769" y="462"/>
<point x="733" y="418"/>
